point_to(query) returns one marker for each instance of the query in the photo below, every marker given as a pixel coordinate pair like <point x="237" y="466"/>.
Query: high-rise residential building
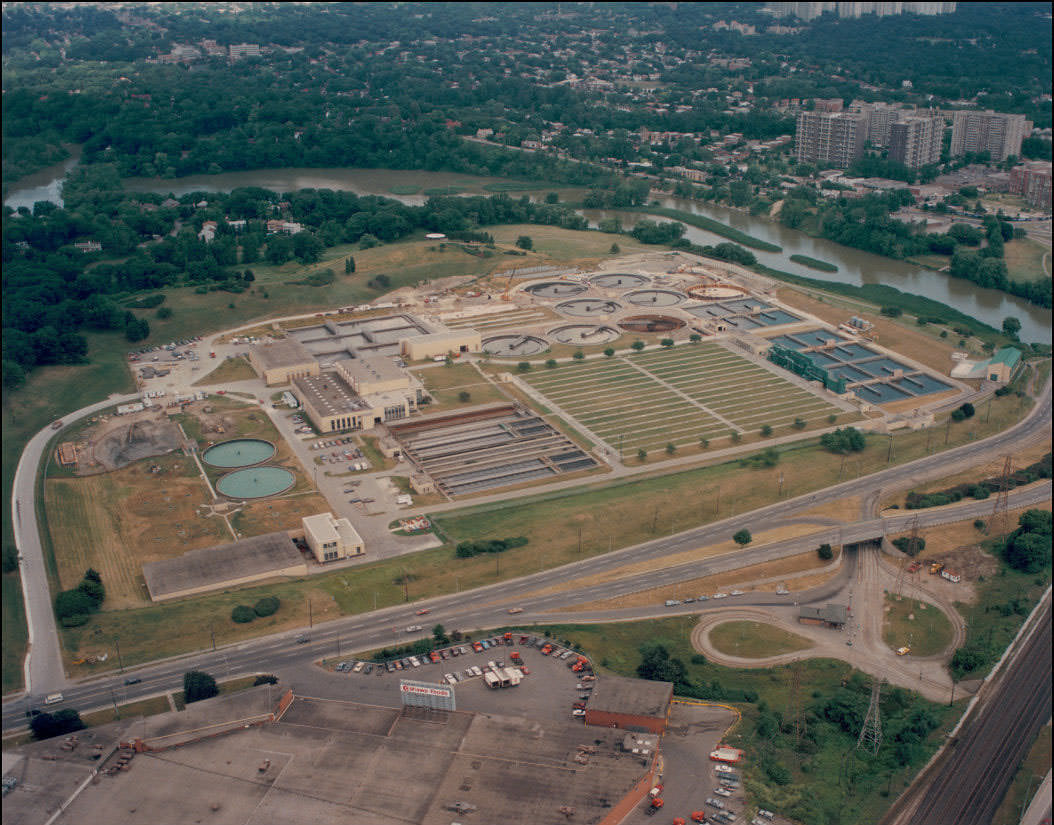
<point x="880" y="116"/>
<point x="834" y="138"/>
<point x="916" y="140"/>
<point x="809" y="11"/>
<point x="998" y="134"/>
<point x="1032" y="181"/>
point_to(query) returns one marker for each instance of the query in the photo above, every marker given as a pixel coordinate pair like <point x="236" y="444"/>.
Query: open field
<point x="804" y="789"/>
<point x="1033" y="768"/>
<point x="446" y="383"/>
<point x="563" y="245"/>
<point x="15" y="632"/>
<point x="755" y="640"/>
<point x="679" y="396"/>
<point x="231" y="369"/>
<point x="115" y="522"/>
<point x="915" y="624"/>
<point x="1024" y="260"/>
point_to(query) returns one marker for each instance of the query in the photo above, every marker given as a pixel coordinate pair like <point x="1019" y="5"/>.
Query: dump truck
<point x="516" y="657"/>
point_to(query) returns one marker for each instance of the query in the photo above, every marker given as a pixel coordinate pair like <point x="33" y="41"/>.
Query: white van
<point x="52" y="698"/>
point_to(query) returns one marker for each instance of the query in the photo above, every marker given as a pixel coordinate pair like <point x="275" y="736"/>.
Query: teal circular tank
<point x="256" y="482"/>
<point x="241" y="452"/>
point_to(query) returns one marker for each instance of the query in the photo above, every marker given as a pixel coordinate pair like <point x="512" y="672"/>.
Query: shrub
<point x="642" y="454"/>
<point x="60" y="723"/>
<point x="523" y="366"/>
<point x="671" y="448"/>
<point x="799" y="424"/>
<point x="198" y="685"/>
<point x="243" y="614"/>
<point x="695" y="337"/>
<point x="912" y="548"/>
<point x="464" y="396"/>
<point x="637" y="345"/>
<point x="609" y="352"/>
<point x="550" y="364"/>
<point x="266" y="606"/>
<point x="164" y="312"/>
<point x="265" y="679"/>
<point x="891" y="312"/>
<point x="742" y="537"/>
<point x="979" y="524"/>
<point x="825" y="552"/>
<point x="74" y="603"/>
<point x="579" y="355"/>
<point x="844" y="440"/>
<point x="766" y="430"/>
<point x="666" y="342"/>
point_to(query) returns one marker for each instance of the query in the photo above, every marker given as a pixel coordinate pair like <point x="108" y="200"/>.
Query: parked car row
<point x="333" y="442"/>
<point x="136" y="354"/>
<point x="690" y="599"/>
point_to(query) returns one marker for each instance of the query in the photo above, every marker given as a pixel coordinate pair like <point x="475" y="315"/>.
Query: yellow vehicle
<point x="903" y="651"/>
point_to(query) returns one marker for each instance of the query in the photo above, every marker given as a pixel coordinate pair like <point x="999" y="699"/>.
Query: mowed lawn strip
<point x="755" y="640"/>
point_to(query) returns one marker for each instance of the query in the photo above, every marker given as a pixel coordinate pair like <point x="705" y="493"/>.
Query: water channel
<point x="854" y="266"/>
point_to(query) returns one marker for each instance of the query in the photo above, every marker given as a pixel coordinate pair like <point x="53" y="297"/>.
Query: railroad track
<point x="968" y="782"/>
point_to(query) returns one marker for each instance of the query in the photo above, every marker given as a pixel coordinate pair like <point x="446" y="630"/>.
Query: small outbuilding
<point x="636" y="705"/>
<point x="832" y="615"/>
<point x="331" y="539"/>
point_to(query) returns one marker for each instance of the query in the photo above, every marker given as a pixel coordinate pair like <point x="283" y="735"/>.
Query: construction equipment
<point x="936" y="567"/>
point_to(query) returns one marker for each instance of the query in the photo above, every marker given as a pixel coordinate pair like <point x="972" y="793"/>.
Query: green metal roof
<point x="1008" y="356"/>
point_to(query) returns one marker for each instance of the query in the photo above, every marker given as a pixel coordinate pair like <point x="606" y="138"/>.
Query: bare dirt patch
<point x="845" y="509"/>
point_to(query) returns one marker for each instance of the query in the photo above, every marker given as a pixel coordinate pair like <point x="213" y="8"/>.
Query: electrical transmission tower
<point x="1002" y="500"/>
<point x="871" y="732"/>
<point x="797" y="711"/>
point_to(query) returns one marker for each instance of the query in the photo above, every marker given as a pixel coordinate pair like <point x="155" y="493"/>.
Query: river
<point x="854" y="266"/>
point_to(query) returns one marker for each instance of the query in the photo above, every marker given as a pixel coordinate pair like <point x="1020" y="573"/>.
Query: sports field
<point x="680" y="396"/>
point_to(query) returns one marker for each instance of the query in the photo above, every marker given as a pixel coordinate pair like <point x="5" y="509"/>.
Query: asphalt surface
<point x="967" y="782"/>
<point x="477" y="610"/>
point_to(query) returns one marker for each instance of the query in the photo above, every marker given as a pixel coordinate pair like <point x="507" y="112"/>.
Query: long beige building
<point x="280" y="361"/>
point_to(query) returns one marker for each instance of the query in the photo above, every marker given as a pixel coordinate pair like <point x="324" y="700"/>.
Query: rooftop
<point x="336" y="762"/>
<point x="634" y="697"/>
<point x="1008" y="356"/>
<point x="832" y="613"/>
<point x="253" y="556"/>
<point x="368" y="368"/>
<point x="326" y="528"/>
<point x="287" y="352"/>
<point x="329" y="394"/>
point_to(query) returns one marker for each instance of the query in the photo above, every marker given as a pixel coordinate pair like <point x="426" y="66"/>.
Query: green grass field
<point x="678" y="396"/>
<point x="915" y="624"/>
<point x="1026" y="781"/>
<point x="446" y="383"/>
<point x="1024" y="260"/>
<point x="755" y="640"/>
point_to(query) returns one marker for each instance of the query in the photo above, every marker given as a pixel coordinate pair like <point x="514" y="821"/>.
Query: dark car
<point x="133" y="681"/>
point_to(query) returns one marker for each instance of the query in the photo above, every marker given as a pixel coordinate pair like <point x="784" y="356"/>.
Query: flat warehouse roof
<point x="287" y="352"/>
<point x="329" y="394"/>
<point x="224" y="562"/>
<point x="633" y="697"/>
<point x="372" y="368"/>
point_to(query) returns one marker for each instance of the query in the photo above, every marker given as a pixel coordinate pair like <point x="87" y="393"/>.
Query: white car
<point x="724" y="769"/>
<point x="449" y="677"/>
<point x="414" y="628"/>
<point x="720" y="595"/>
<point x="736" y="593"/>
<point x="578" y="712"/>
<point x="725" y="792"/>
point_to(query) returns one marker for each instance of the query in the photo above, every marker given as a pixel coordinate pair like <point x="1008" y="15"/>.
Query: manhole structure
<point x="584" y="334"/>
<point x="588" y="307"/>
<point x="654" y="297"/>
<point x="514" y="346"/>
<point x="618" y="280"/>
<point x="555" y="290"/>
<point x="650" y="323"/>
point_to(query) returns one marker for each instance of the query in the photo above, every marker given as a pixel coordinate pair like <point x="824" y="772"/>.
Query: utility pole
<point x="871" y="732"/>
<point x="310" y="616"/>
<point x="779" y="491"/>
<point x="406" y="586"/>
<point x="580" y="539"/>
<point x="891" y="452"/>
<point x="116" y="711"/>
<point x="117" y="644"/>
<point x="988" y="410"/>
<point x="947" y="432"/>
<point x="338" y="645"/>
<point x="212" y="633"/>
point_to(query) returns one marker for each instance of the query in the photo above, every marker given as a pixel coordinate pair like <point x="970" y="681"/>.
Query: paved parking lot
<point x="547" y="693"/>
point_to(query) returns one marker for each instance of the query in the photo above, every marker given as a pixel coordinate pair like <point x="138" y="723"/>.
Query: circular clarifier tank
<point x="588" y="307"/>
<point x="555" y="290"/>
<point x="514" y="346"/>
<point x="240" y="452"/>
<point x="584" y="334"/>
<point x="618" y="280"/>
<point x="716" y="293"/>
<point x="651" y="323"/>
<point x="655" y="297"/>
<point x="256" y="482"/>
